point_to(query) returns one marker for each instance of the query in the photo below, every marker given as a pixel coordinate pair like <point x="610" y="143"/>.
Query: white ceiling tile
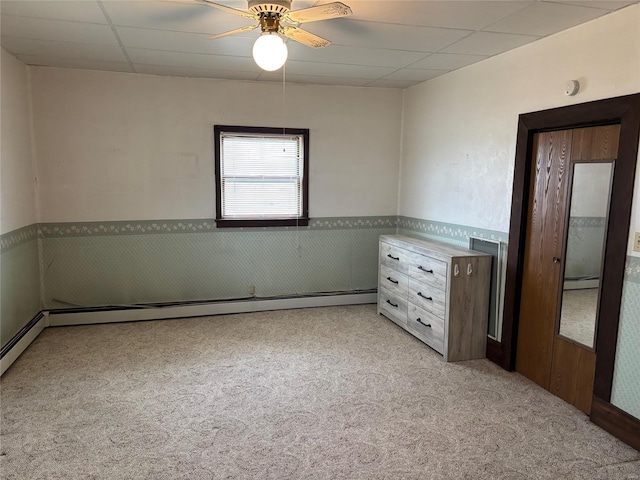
<point x="353" y="55"/>
<point x="184" y="42"/>
<point x="470" y="15"/>
<point x="384" y="83"/>
<point x="192" y="60"/>
<point x="42" y="48"/>
<point x="604" y="4"/>
<point x="176" y="16"/>
<point x="335" y="70"/>
<point x="74" y="63"/>
<point x="447" y="61"/>
<point x="77" y="11"/>
<point x="383" y="35"/>
<point x="387" y="43"/>
<point x="414" y="74"/>
<point x="486" y="43"/>
<point x="195" y="72"/>
<point x="311" y="79"/>
<point x="545" y="18"/>
<point x="57" y="30"/>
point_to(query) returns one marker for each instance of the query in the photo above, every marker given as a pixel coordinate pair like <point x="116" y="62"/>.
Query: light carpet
<point x="578" y="315"/>
<point x="322" y="393"/>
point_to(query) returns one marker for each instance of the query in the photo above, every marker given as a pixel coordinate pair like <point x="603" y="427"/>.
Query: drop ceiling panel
<point x="472" y="15"/>
<point x="375" y="57"/>
<point x="75" y="63"/>
<point x="175" y="16"/>
<point x="315" y="79"/>
<point x="389" y="36"/>
<point x="78" y="11"/>
<point x="57" y="30"/>
<point x="295" y="67"/>
<point x="414" y="74"/>
<point x="42" y="48"/>
<point x="195" y="72"/>
<point x="486" y="43"/>
<point x="447" y="61"/>
<point x="387" y="43"/>
<point x="544" y="19"/>
<point x="604" y="4"/>
<point x="384" y="83"/>
<point x="184" y="42"/>
<point x="194" y="60"/>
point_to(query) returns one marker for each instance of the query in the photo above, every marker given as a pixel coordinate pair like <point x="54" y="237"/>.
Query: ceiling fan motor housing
<point x="280" y="7"/>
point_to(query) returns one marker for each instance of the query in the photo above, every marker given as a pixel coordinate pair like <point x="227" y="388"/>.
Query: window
<point x="262" y="176"/>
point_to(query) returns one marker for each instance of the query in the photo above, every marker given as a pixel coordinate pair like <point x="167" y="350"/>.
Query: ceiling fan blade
<point x="321" y="12"/>
<point x="248" y="28"/>
<point x="304" y="37"/>
<point x="235" y="11"/>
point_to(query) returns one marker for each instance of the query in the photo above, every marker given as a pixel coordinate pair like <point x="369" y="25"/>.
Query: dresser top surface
<point x="430" y="247"/>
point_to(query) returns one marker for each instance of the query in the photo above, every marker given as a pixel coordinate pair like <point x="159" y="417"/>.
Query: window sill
<point x="275" y="222"/>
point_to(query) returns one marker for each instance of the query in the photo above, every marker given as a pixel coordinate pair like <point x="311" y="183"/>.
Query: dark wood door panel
<point x="543" y="252"/>
<point x="572" y="373"/>
<point x="595" y="143"/>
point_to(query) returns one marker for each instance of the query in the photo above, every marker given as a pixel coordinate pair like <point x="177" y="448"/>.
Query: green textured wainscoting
<point x="148" y="262"/>
<point x="446" y="232"/>
<point x="19" y="281"/>
<point x="459" y="235"/>
<point x="585" y="241"/>
<point x="626" y="376"/>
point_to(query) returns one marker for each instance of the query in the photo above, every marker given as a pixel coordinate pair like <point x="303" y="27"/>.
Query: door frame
<point x="624" y="110"/>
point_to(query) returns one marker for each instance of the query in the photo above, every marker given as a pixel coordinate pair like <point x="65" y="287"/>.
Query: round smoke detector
<point x="281" y="7"/>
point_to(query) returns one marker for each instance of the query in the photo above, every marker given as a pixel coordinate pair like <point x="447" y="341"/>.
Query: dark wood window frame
<point x="625" y="111"/>
<point x="303" y="219"/>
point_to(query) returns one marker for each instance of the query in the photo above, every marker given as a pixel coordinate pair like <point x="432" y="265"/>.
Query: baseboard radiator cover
<point x="133" y="313"/>
<point x="19" y="343"/>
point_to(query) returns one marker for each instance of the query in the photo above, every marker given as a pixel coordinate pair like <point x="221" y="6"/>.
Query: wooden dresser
<point x="437" y="292"/>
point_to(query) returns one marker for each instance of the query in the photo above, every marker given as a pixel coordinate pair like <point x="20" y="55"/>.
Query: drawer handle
<point x="392" y="304"/>
<point x="420" y="267"/>
<point x="392" y="280"/>
<point x="392" y="257"/>
<point x="428" y="325"/>
<point x="426" y="298"/>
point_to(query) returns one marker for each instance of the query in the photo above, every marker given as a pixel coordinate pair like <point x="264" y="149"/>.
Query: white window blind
<point x="261" y="175"/>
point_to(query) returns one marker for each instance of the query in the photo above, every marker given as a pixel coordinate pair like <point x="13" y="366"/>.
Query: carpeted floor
<point x="323" y="393"/>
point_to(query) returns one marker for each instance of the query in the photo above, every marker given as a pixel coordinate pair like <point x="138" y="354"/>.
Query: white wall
<point x="460" y="129"/>
<point x="20" y="265"/>
<point x="17" y="177"/>
<point x="118" y="146"/>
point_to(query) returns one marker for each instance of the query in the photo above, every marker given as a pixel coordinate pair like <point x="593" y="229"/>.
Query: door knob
<point x="556" y="260"/>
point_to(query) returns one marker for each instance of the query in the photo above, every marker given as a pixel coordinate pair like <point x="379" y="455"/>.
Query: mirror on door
<point x="590" y="192"/>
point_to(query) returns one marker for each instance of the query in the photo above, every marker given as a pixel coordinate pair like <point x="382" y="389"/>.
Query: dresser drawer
<point x="426" y="326"/>
<point x="393" y="306"/>
<point x="394" y="257"/>
<point x="394" y="281"/>
<point x="428" y="270"/>
<point x="427" y="297"/>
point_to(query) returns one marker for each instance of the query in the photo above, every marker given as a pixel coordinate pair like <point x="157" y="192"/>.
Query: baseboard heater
<point x="20" y="341"/>
<point x="160" y="311"/>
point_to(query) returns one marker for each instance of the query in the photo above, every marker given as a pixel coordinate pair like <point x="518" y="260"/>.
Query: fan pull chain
<point x="298" y="245"/>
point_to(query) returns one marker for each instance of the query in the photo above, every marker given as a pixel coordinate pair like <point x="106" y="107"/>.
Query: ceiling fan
<point x="276" y="17"/>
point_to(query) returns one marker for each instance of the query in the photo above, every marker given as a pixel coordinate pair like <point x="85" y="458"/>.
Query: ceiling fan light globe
<point x="270" y="52"/>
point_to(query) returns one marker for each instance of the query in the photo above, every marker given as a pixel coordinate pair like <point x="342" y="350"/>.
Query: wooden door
<point x="543" y="249"/>
<point x="560" y="365"/>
